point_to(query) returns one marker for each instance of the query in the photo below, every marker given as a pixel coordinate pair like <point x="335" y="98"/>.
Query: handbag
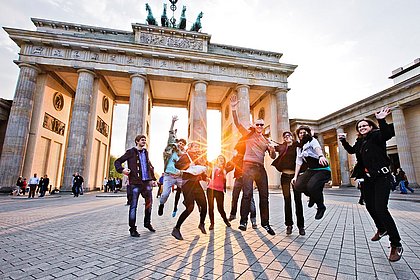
<point x="195" y="169"/>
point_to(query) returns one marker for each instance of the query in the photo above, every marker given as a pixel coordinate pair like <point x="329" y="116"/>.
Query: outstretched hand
<point x="174" y="118"/>
<point x="234" y="101"/>
<point x="382" y="113"/>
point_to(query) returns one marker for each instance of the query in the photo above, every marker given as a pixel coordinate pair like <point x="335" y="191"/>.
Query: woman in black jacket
<point x="373" y="166"/>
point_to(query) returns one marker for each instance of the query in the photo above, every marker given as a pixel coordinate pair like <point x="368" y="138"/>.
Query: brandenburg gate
<point x="72" y="75"/>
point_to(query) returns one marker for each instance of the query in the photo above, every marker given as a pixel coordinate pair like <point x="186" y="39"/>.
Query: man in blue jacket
<point x="140" y="173"/>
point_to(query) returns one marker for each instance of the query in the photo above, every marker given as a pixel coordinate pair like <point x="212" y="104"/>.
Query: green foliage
<point x="112" y="172"/>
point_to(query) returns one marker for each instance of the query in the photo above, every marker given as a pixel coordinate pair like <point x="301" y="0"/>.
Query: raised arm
<point x="234" y="105"/>
<point x="387" y="130"/>
<point x="172" y="132"/>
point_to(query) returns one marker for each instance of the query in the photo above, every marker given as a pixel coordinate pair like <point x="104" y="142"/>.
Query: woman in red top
<point x="217" y="188"/>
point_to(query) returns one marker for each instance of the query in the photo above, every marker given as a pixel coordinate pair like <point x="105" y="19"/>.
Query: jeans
<point x="376" y="193"/>
<point x="237" y="188"/>
<point x="168" y="182"/>
<point x="254" y="172"/>
<point x="311" y="183"/>
<point x="285" y="185"/>
<point x="192" y="192"/>
<point x="219" y="196"/>
<point x="145" y="189"/>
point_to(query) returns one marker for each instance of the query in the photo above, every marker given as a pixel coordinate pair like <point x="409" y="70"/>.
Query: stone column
<point x="198" y="113"/>
<point x="17" y="132"/>
<point x="136" y="110"/>
<point x="79" y="129"/>
<point x="344" y="162"/>
<point x="243" y="110"/>
<point x="282" y="112"/>
<point x="321" y="142"/>
<point x="403" y="145"/>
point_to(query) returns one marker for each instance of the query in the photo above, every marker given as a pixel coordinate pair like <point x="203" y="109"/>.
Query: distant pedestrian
<point x="44" y="185"/>
<point x="19" y="185"/>
<point x="104" y="184"/>
<point x="24" y="186"/>
<point x="77" y="184"/>
<point x="33" y="183"/>
<point x="370" y="150"/>
<point x="402" y="181"/>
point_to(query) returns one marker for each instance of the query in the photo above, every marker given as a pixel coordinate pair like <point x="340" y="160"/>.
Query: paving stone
<point x="338" y="247"/>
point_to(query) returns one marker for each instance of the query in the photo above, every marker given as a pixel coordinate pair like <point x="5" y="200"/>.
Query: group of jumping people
<point x="302" y="163"/>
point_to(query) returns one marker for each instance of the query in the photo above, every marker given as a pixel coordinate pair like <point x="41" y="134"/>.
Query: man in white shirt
<point x="33" y="183"/>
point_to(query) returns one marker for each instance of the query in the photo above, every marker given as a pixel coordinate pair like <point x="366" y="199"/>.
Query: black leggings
<point x="192" y="193"/>
<point x="219" y="196"/>
<point x="311" y="183"/>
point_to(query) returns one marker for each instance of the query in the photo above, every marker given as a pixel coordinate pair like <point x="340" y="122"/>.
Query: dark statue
<point x="164" y="19"/>
<point x="150" y="19"/>
<point x="183" y="20"/>
<point x="197" y="24"/>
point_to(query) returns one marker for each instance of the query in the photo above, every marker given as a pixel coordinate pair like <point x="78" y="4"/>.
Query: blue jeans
<point x="145" y="190"/>
<point x="168" y="182"/>
<point x="254" y="172"/>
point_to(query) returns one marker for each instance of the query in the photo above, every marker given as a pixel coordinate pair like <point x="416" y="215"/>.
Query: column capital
<point x="33" y="66"/>
<point x="83" y="70"/>
<point x="139" y="75"/>
<point x="242" y="86"/>
<point x="397" y="107"/>
<point x="281" y="90"/>
<point x="200" y="82"/>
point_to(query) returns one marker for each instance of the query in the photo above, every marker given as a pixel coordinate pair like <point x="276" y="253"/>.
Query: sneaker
<point x="160" y="210"/>
<point x="320" y="213"/>
<point x="254" y="225"/>
<point x="289" y="230"/>
<point x="378" y="235"/>
<point x="302" y="231"/>
<point x="269" y="230"/>
<point x="361" y="202"/>
<point x="150" y="227"/>
<point x="227" y="223"/>
<point x="242" y="227"/>
<point x="231" y="218"/>
<point x="396" y="253"/>
<point x="174" y="213"/>
<point x="202" y="228"/>
<point x="211" y="227"/>
<point x="177" y="234"/>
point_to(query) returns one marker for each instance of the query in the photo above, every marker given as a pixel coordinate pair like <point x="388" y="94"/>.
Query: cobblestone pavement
<point x="87" y="238"/>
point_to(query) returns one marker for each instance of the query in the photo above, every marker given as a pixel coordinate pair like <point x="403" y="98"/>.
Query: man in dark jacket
<point x="140" y="173"/>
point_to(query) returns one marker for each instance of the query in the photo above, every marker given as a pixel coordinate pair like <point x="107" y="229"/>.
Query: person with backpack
<point x="285" y="163"/>
<point x="253" y="168"/>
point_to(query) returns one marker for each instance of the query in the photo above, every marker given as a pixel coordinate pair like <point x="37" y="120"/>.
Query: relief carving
<point x="53" y="124"/>
<point x="102" y="127"/>
<point x="160" y="40"/>
<point x="38" y="50"/>
<point x="58" y="53"/>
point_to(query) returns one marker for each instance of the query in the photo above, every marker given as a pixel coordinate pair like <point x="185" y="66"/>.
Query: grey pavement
<point x="61" y="237"/>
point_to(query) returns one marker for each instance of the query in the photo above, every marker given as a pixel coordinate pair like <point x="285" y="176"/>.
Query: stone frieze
<point x="155" y="63"/>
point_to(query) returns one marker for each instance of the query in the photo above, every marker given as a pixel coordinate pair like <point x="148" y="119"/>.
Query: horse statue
<point x="197" y="24"/>
<point x="183" y="20"/>
<point x="164" y="19"/>
<point x="150" y="19"/>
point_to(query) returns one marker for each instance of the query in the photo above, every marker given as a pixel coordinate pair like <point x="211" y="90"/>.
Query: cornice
<point x="21" y="37"/>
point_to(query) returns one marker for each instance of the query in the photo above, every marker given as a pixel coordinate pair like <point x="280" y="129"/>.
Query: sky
<point x="345" y="50"/>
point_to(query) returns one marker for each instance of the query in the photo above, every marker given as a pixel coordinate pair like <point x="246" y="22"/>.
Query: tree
<point x="112" y="171"/>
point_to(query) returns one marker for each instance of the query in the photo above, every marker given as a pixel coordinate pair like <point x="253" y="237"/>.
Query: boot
<point x="133" y="232"/>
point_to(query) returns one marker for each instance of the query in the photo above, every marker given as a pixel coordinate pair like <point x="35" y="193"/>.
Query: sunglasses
<point x="259" y="124"/>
